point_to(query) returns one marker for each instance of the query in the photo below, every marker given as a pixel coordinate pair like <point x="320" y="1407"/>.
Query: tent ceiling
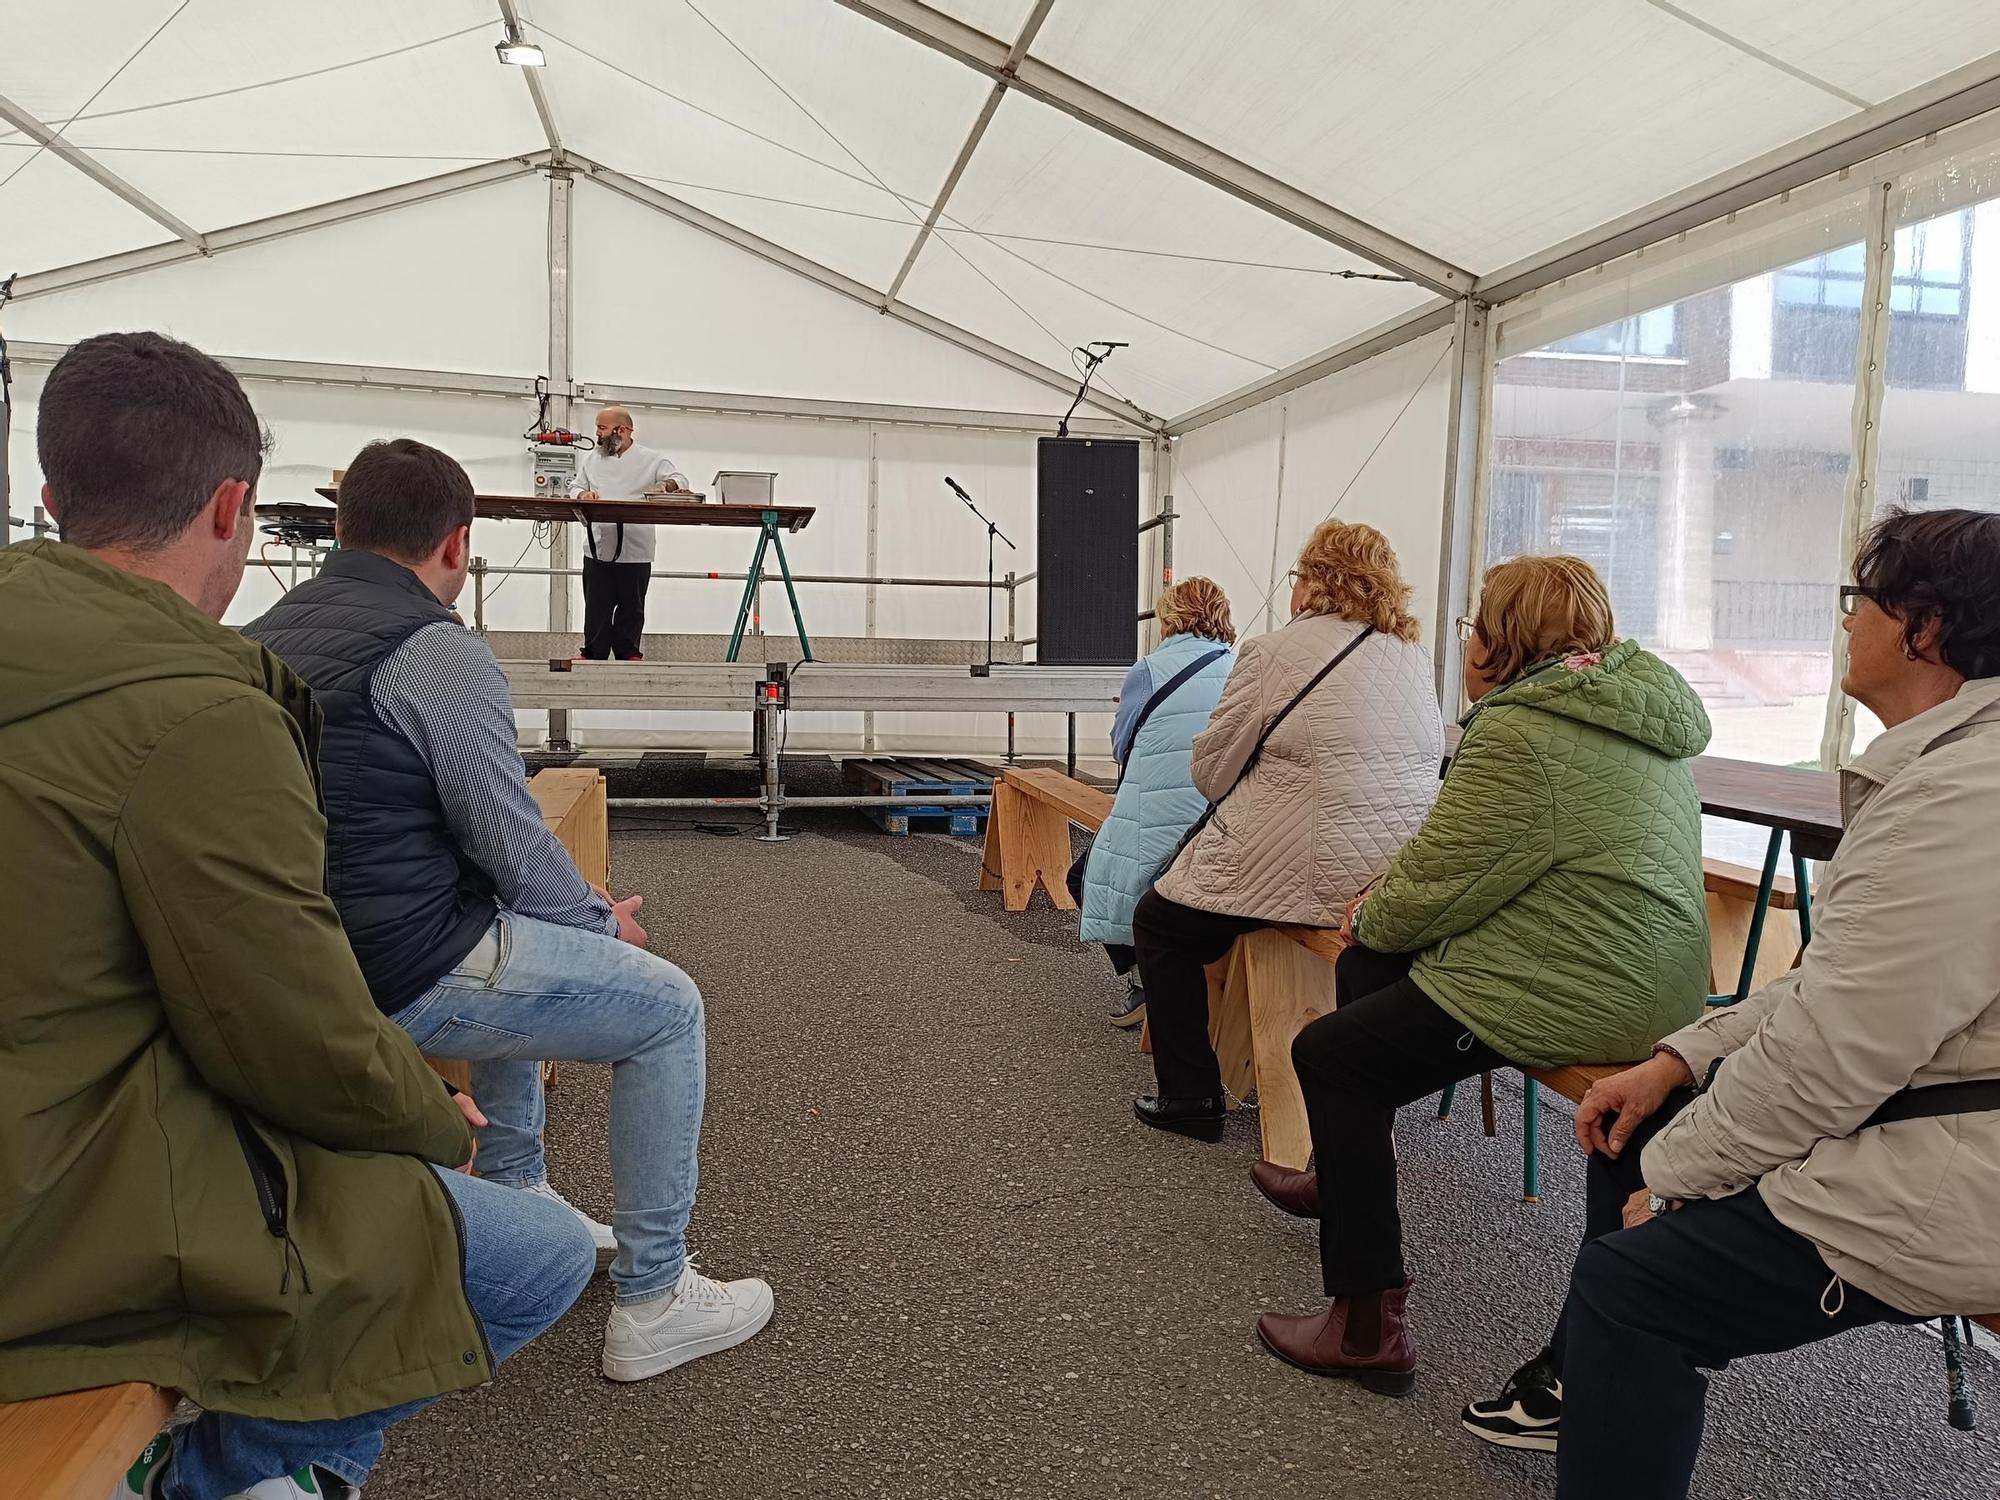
<point x="1477" y="133"/>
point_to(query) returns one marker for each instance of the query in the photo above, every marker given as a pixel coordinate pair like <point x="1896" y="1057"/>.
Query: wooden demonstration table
<point x="770" y="520"/>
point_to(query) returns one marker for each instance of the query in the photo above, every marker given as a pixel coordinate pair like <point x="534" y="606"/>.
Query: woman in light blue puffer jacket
<point x="1157" y="801"/>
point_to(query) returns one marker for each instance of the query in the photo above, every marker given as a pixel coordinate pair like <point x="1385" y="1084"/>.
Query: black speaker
<point x="1087" y="551"/>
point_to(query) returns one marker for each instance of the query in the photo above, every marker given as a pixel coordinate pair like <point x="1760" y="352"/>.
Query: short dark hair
<point x="136" y="432"/>
<point x="402" y="498"/>
<point x="1941" y="565"/>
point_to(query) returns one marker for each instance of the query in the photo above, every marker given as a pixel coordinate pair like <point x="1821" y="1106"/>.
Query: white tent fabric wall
<point x="459" y="283"/>
<point x="1366" y="444"/>
<point x="660" y="303"/>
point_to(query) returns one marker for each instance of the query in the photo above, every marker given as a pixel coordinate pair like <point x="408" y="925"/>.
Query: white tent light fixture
<point x="518" y="52"/>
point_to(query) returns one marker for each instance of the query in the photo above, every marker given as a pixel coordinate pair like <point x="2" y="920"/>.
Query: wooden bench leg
<point x="1034" y="847"/>
<point x="1229" y="1029"/>
<point x="1288" y="988"/>
<point x="993" y="856"/>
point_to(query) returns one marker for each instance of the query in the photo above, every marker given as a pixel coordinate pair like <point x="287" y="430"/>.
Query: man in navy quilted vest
<point x="473" y="928"/>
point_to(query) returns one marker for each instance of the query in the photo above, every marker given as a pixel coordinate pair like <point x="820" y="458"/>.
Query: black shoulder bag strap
<point x="1175" y="682"/>
<point x="1269" y="729"/>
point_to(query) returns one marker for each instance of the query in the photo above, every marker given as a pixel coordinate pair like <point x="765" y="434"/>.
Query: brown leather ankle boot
<point x="1297" y="1193"/>
<point x="1313" y="1343"/>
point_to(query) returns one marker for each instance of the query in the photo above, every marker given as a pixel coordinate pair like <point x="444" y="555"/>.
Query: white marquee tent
<point x="857" y="242"/>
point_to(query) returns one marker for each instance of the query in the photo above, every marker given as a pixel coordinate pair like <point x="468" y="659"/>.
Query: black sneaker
<point x="1131" y="1008"/>
<point x="1527" y="1411"/>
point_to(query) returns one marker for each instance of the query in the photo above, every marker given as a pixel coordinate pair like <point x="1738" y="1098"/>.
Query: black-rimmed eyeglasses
<point x="1851" y="595"/>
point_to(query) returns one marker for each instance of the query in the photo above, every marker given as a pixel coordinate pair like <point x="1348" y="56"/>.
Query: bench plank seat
<point x="77" y="1445"/>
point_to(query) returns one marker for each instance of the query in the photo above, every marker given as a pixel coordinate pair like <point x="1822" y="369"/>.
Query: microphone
<point x="1110" y="344"/>
<point x="956" y="490"/>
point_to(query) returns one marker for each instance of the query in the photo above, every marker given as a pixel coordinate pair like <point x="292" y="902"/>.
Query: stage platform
<point x="816" y="687"/>
<point x="677" y="650"/>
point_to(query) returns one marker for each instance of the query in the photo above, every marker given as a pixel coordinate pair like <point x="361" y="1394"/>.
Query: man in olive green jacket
<point x="214" y="1150"/>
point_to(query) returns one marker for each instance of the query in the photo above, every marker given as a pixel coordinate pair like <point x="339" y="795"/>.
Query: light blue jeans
<point x="526" y="1259"/>
<point x="531" y="991"/>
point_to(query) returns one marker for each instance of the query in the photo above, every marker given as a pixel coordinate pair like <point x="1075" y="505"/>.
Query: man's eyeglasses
<point x="1851" y="595"/>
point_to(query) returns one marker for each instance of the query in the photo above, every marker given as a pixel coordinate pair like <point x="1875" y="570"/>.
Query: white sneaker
<point x="304" y="1485"/>
<point x="601" y="1235"/>
<point x="142" y="1480"/>
<point x="701" y="1317"/>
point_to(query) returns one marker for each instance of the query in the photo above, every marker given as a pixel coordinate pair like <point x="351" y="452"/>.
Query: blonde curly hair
<point x="1350" y="570"/>
<point x="1532" y="609"/>
<point x="1196" y="606"/>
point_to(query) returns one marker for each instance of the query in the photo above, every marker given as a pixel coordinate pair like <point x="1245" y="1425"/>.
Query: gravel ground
<point x="992" y="1281"/>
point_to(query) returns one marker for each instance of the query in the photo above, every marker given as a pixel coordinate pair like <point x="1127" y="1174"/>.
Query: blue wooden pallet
<point x="916" y="778"/>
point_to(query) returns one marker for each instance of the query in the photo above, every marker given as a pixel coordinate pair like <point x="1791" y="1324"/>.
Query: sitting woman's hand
<point x="1353" y="912"/>
<point x="1628" y="1097"/>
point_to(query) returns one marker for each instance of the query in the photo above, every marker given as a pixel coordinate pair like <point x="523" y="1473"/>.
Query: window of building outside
<point x="1940" y="446"/>
<point x="1928" y="305"/>
<point x="1707" y="486"/>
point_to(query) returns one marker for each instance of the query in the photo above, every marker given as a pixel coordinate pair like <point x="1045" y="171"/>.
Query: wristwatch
<point x="1656" y="1205"/>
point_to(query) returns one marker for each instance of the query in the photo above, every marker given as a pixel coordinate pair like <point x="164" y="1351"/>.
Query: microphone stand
<point x="992" y="531"/>
<point x="1091" y="360"/>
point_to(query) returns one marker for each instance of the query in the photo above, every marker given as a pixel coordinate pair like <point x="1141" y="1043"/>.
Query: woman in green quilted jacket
<point x="1549" y="911"/>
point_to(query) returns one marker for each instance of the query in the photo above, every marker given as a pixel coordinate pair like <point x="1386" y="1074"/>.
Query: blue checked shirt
<point x="443" y="691"/>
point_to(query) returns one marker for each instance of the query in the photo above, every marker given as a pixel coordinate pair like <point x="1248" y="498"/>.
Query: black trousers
<point x="1175" y="944"/>
<point x="1650" y="1308"/>
<point x="614" y="608"/>
<point x="1386" y="1044"/>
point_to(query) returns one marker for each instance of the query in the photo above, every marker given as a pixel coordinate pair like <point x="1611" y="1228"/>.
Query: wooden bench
<point x="1027" y="834"/>
<point x="1274" y="983"/>
<point x="1731" y="892"/>
<point x="77" y="1446"/>
<point x="574" y="809"/>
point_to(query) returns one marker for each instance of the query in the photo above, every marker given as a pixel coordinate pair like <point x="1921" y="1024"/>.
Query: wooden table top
<point x="1802" y="802"/>
<point x="655" y="511"/>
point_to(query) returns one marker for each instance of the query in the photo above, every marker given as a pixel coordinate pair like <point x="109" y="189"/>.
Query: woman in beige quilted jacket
<point x="1825" y="1154"/>
<point x="1348" y="771"/>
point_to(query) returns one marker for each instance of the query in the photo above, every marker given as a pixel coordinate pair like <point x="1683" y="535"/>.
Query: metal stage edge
<point x="769" y="692"/>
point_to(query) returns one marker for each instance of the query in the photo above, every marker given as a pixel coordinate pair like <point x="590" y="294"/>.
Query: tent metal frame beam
<point x="1163" y="142"/>
<point x="658" y="398"/>
<point x="50" y="140"/>
<point x="1958" y="96"/>
<point x="561" y="369"/>
<point x="651" y="197"/>
<point x="1468" y="416"/>
<point x="1380" y="339"/>
<point x="537" y="89"/>
<point x="1015" y="55"/>
<point x="807" y="408"/>
<point x="313" y="372"/>
<point x="261" y="231"/>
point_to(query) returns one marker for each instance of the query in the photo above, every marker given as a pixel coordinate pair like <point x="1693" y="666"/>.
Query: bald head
<point x="614" y="430"/>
